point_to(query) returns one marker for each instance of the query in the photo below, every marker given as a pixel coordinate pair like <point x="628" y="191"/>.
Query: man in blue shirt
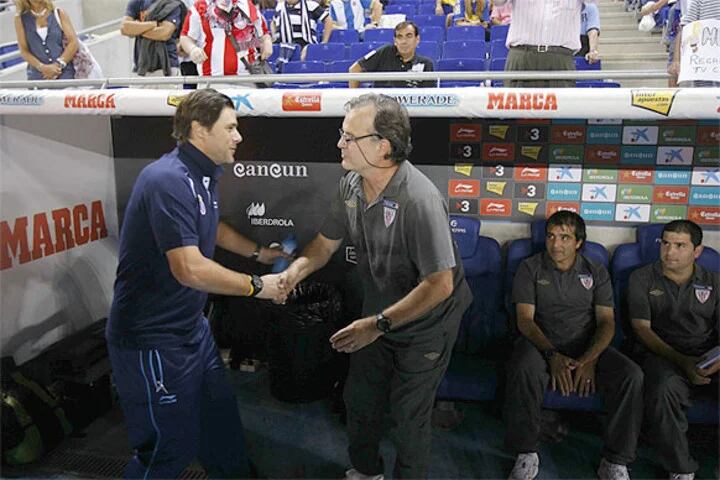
<point x="177" y="401"/>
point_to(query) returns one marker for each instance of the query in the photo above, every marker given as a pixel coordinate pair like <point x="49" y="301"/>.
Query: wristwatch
<point x="61" y="62"/>
<point x="256" y="284"/>
<point x="549" y="353"/>
<point x="382" y="323"/>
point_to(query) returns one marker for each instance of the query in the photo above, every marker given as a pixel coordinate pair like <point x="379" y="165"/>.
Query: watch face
<point x="257" y="284"/>
<point x="382" y="323"/>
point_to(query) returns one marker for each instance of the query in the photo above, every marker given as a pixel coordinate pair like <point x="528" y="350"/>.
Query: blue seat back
<point x="384" y="35"/>
<point x="464" y="49"/>
<point x="498" y="50"/>
<point x="498" y="33"/>
<point x="497" y="64"/>
<point x="338" y="66"/>
<point x="466" y="33"/>
<point x="431" y="20"/>
<point x="305" y="67"/>
<point x="344" y="36"/>
<point x="406" y="9"/>
<point x="428" y="49"/>
<point x="461" y="65"/>
<point x="582" y="64"/>
<point x="325" y="52"/>
<point x="432" y="34"/>
<point x="360" y="49"/>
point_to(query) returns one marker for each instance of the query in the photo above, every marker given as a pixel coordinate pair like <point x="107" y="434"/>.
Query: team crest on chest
<point x="702" y="292"/>
<point x="390" y="209"/>
<point x="586" y="280"/>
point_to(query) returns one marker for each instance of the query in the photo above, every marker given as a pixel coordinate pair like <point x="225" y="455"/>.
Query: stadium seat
<point x="582" y="64"/>
<point x="429" y="21"/>
<point x="498" y="50"/>
<point x="461" y="65"/>
<point x="407" y="9"/>
<point x="325" y="52"/>
<point x="429" y="49"/>
<point x="427" y="9"/>
<point x="308" y="66"/>
<point x="497" y="64"/>
<point x="383" y="35"/>
<point x="338" y="66"/>
<point x="466" y="33"/>
<point x="344" y="36"/>
<point x="596" y="84"/>
<point x="358" y="50"/>
<point x="432" y="34"/>
<point x="464" y="49"/>
<point x="481" y="342"/>
<point x="498" y="33"/>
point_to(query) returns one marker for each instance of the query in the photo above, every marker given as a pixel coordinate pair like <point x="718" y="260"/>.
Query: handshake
<point x="277" y="286"/>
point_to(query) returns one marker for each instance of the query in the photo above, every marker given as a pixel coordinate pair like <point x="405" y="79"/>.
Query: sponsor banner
<point x="465" y="151"/>
<point x="530" y="173"/>
<point x="674" y="155"/>
<point x="497" y="171"/>
<point x="672" y="177"/>
<point x="566" y="154"/>
<point x="704" y="215"/>
<point x="463" y="188"/>
<point x="602" y="154"/>
<point x="604" y="135"/>
<point x="553" y="207"/>
<point x="258" y="216"/>
<point x="90" y="101"/>
<point x="707" y="155"/>
<point x="533" y="134"/>
<point x="498" y="152"/>
<point x="628" y="212"/>
<point x="564" y="134"/>
<point x="708" y="135"/>
<point x="529" y="190"/>
<point x="466" y="206"/>
<point x="677" y="135"/>
<point x="532" y="153"/>
<point x="270" y="171"/>
<point x="599" y="192"/>
<point x="705" y="176"/>
<point x="564" y="191"/>
<point x="565" y="173"/>
<point x="642" y="176"/>
<point x="600" y="175"/>
<point x="635" y="193"/>
<point x="604" y="121"/>
<point x="502" y="132"/>
<point x="514" y="100"/>
<point x="705" y="196"/>
<point x="498" y="189"/>
<point x="644" y="155"/>
<point x="640" y="135"/>
<point x="531" y="209"/>
<point x="22" y="99"/>
<point x="599" y="212"/>
<point x="670" y="194"/>
<point x="496" y="207"/>
<point x="435" y="99"/>
<point x="668" y="213"/>
<point x="465" y="132"/>
<point x="658" y="101"/>
<point x="464" y="169"/>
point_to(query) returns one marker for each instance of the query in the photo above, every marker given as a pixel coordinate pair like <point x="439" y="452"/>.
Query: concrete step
<point x="634" y="65"/>
<point x="630" y="41"/>
<point x="612" y="15"/>
<point x="608" y="48"/>
<point x="648" y="83"/>
<point x="616" y="27"/>
<point x="627" y="20"/>
<point x="638" y="57"/>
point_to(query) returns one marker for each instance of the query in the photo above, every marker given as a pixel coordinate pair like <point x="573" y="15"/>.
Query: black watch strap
<point x="382" y="323"/>
<point x="257" y="285"/>
<point x="549" y="353"/>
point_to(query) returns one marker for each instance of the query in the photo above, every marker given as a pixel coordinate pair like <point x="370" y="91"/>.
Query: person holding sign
<point x="674" y="307"/>
<point x="697" y="52"/>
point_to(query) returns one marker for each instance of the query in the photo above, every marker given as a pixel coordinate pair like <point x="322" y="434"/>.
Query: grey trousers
<point x="619" y="379"/>
<point x="402" y="381"/>
<point x="518" y="60"/>
<point x="668" y="393"/>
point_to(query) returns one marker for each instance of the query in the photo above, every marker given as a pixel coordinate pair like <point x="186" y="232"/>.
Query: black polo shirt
<point x="564" y="301"/>
<point x="684" y="316"/>
<point x="387" y="59"/>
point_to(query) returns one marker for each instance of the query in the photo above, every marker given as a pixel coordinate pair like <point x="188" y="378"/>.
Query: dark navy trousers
<point x="178" y="406"/>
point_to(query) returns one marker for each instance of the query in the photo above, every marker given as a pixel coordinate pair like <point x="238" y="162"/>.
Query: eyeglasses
<point x="348" y="139"/>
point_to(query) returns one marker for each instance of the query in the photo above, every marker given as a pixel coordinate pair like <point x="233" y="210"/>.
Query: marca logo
<point x="565" y="173"/>
<point x="563" y="191"/>
<point x="705" y="215"/>
<point x="642" y="155"/>
<point x="499" y="131"/>
<point x="67" y="228"/>
<point x="602" y="135"/>
<point x="708" y="135"/>
<point x="600" y="175"/>
<point x="464" y="188"/>
<point x="21" y="99"/>
<point x="663" y="194"/>
<point x="528" y="208"/>
<point x="463" y="169"/>
<point x="530" y="173"/>
<point x="599" y="192"/>
<point x="636" y="176"/>
<point x="533" y="133"/>
<point x="635" y="193"/>
<point x="566" y="153"/>
<point x="301" y="102"/>
<point x="90" y="100"/>
<point x="427" y="100"/>
<point x="706" y="176"/>
<point x="676" y="135"/>
<point x="658" y="101"/>
<point x="604" y="155"/>
<point x="674" y="155"/>
<point x="256" y="213"/>
<point x="495" y="207"/>
<point x="707" y="155"/>
<point x="568" y="134"/>
<point x="668" y="213"/>
<point x="632" y="213"/>
<point x="640" y="135"/>
<point x="553" y="207"/>
<point x="522" y="101"/>
<point x="537" y="153"/>
<point x="274" y="170"/>
<point x="494" y="152"/>
<point x="498" y="188"/>
<point x="466" y="206"/>
<point x="705" y="196"/>
<point x="465" y="132"/>
<point x="600" y="212"/>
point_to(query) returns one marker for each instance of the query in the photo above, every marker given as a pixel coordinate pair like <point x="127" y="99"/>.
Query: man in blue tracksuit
<point x="173" y="389"/>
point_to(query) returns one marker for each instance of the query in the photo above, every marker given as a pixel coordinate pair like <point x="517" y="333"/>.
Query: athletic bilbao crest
<point x="389" y="211"/>
<point x="702" y="293"/>
<point x="586" y="280"/>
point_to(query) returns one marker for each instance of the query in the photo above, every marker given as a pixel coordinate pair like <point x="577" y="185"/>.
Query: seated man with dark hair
<point x="564" y="305"/>
<point x="674" y="310"/>
<point x="399" y="57"/>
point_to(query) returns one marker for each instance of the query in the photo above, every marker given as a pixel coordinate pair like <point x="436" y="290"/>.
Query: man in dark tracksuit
<point x="414" y="289"/>
<point x="675" y="309"/>
<point x="172" y="384"/>
<point x="564" y="305"/>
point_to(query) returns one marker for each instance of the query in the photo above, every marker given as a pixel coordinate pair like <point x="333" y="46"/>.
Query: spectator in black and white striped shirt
<point x="295" y="23"/>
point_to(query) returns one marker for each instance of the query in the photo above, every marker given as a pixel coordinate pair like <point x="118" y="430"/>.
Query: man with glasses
<point x="399" y="57"/>
<point x="414" y="288"/>
<point x="564" y="309"/>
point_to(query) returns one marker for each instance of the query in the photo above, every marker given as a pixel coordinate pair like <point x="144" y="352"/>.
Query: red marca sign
<point x="464" y="188"/>
<point x="465" y="132"/>
<point x="521" y="101"/>
<point x="301" y="102"/>
<point x="102" y="100"/>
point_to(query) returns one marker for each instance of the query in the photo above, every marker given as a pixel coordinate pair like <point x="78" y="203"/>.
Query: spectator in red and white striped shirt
<point x="205" y="36"/>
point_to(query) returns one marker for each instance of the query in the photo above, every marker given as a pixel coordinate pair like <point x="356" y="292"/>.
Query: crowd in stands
<point x="237" y="37"/>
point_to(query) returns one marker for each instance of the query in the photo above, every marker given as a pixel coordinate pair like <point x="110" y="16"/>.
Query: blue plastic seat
<point x="466" y="33"/>
<point x="497" y="64"/>
<point x="464" y="49"/>
<point x="427" y="9"/>
<point x="325" y="52"/>
<point x="407" y="9"/>
<point x="344" y="36"/>
<point x="499" y="33"/>
<point x="498" y="50"/>
<point x="432" y="34"/>
<point x="429" y="49"/>
<point x="476" y="360"/>
<point x="582" y="64"/>
<point x="359" y="50"/>
<point x="431" y="20"/>
<point x="383" y="35"/>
